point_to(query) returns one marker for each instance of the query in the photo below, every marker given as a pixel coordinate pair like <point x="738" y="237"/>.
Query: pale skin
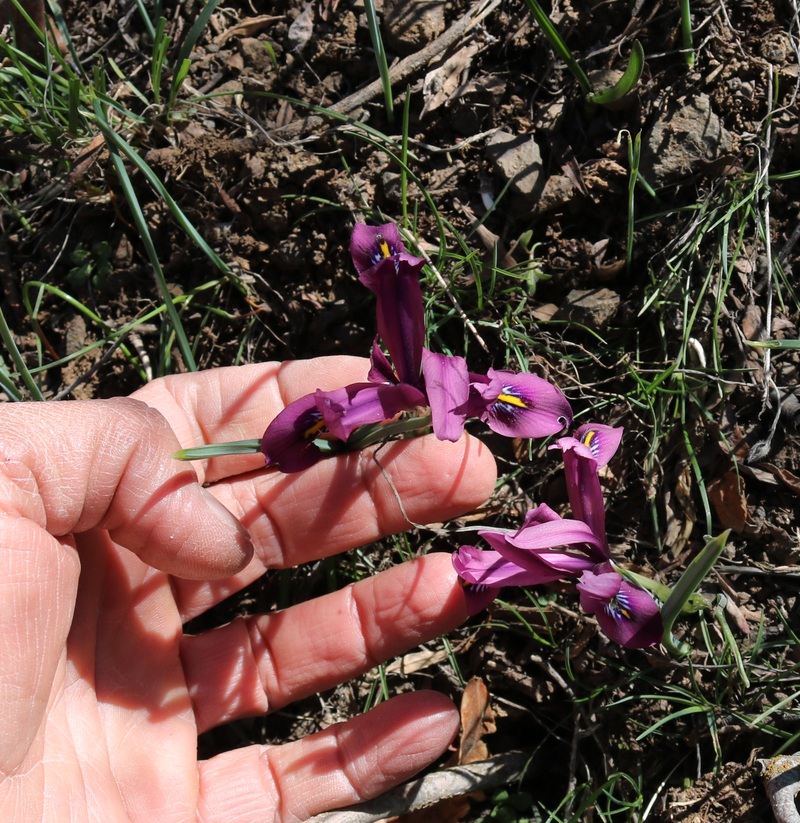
<point x="108" y="546"/>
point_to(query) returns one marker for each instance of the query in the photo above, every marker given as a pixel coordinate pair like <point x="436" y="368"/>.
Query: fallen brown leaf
<point x="727" y="497"/>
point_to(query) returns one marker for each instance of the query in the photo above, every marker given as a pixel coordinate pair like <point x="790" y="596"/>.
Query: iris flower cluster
<point x="549" y="547"/>
<point x="408" y="377"/>
<point x="408" y="381"/>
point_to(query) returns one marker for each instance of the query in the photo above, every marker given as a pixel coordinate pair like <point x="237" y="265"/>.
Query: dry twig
<point x="433" y="788"/>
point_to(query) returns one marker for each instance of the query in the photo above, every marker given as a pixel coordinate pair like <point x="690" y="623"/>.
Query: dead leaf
<point x="441" y="83"/>
<point x="751" y="322"/>
<point x="679" y="523"/>
<point x="791" y="481"/>
<point x="726" y="494"/>
<point x="732" y="608"/>
<point x="248" y="27"/>
<point x="477" y="720"/>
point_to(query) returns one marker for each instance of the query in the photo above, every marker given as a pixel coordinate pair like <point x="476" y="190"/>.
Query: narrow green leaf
<point x="774" y="344"/>
<point x="559" y="46"/>
<point x="625" y="83"/>
<point x="688" y="584"/>
<point x="218" y="450"/>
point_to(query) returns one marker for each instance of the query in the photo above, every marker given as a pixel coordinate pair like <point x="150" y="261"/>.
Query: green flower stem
<point x="218" y="450"/>
<point x="367" y="435"/>
<point x="360" y="439"/>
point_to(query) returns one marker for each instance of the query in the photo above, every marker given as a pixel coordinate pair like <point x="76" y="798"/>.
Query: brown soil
<point x="275" y="194"/>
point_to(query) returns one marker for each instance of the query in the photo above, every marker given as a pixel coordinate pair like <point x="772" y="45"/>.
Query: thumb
<point x="108" y="464"/>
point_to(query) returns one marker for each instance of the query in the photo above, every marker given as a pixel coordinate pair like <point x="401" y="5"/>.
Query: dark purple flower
<point x="393" y="275"/>
<point x="627" y="614"/>
<point x="518" y="405"/>
<point x="371" y="245"/>
<point x="290" y="441"/>
<point x="592" y="447"/>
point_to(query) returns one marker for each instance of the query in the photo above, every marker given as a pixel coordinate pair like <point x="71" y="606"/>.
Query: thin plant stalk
<point x="558" y="44"/>
<point x="686" y="33"/>
<point x="380" y="57"/>
<point x="18" y="361"/>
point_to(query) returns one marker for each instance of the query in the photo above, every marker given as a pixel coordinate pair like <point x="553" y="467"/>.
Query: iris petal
<point x="288" y="443"/>
<point x="627" y="614"/>
<point x="601" y="440"/>
<point x="362" y="404"/>
<point x="447" y="387"/>
<point x="519" y="405"/>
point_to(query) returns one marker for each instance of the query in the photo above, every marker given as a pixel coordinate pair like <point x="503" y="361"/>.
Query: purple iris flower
<point x="527" y="557"/>
<point x="408" y="375"/>
<point x="627" y="614"/>
<point x="291" y="441"/>
<point x="535" y="554"/>
<point x="392" y="274"/>
<point x="386" y="269"/>
<point x="518" y="405"/>
<point x="590" y="449"/>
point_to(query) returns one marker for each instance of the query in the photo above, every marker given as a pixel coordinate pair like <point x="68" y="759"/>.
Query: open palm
<point x="108" y="546"/>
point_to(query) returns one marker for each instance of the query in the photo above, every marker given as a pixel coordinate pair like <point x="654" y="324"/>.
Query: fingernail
<point x="227" y="517"/>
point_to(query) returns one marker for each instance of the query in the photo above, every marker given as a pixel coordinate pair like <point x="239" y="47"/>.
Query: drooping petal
<point x="289" y="441"/>
<point x="583" y="489"/>
<point x="538" y="543"/>
<point x="519" y="405"/>
<point x="601" y="440"/>
<point x="627" y="614"/>
<point x="362" y="404"/>
<point x="447" y="387"/>
<point x="401" y="316"/>
<point x="484" y="573"/>
<point x="490" y="568"/>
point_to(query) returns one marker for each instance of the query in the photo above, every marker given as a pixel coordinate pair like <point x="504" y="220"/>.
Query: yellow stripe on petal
<point x="512" y="400"/>
<point x="383" y="245"/>
<point x="313" y="430"/>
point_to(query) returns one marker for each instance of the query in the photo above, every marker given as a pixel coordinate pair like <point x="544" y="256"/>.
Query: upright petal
<point x="601" y="440"/>
<point x="362" y="404"/>
<point x="447" y="387"/>
<point x="519" y="405"/>
<point x="369" y="245"/>
<point x="289" y="441"/>
<point x="401" y="316"/>
<point x="627" y="614"/>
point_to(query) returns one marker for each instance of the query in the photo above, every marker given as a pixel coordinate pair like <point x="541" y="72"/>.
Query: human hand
<point x="108" y="545"/>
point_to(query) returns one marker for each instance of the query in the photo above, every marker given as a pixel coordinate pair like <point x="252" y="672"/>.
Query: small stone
<point x="518" y="159"/>
<point x="683" y="140"/>
<point x="412" y="24"/>
<point x="593" y="308"/>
